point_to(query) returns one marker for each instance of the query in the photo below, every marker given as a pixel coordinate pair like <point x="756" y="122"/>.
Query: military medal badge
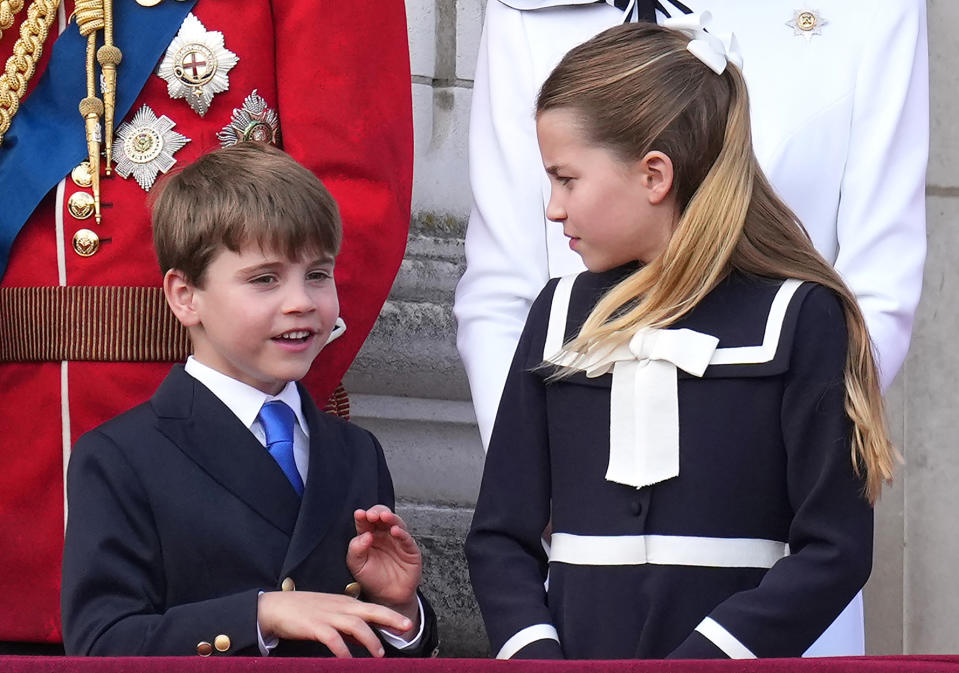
<point x="254" y="121"/>
<point x="196" y="65"/>
<point x="807" y="23"/>
<point x="146" y="146"/>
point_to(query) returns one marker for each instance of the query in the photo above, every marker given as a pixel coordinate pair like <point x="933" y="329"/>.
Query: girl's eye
<point x="319" y="275"/>
<point x="563" y="180"/>
<point x="263" y="280"/>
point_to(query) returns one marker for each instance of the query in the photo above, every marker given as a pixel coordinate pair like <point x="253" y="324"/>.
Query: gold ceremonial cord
<point x="8" y="11"/>
<point x="22" y="64"/>
<point x="109" y="56"/>
<point x="89" y="16"/>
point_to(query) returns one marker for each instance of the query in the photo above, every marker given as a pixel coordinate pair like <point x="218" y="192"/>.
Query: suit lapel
<point x="326" y="483"/>
<point x="204" y="429"/>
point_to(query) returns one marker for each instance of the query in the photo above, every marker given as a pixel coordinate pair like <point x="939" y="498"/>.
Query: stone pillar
<point x="930" y="546"/>
<point x="407" y="385"/>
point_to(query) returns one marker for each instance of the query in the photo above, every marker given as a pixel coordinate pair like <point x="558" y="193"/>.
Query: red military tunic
<point x="338" y="77"/>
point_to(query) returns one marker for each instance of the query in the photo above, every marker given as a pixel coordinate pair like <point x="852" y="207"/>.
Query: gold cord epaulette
<point x="8" y="12"/>
<point x="23" y="62"/>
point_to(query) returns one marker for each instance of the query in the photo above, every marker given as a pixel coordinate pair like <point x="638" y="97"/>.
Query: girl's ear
<point x="656" y="171"/>
<point x="181" y="297"/>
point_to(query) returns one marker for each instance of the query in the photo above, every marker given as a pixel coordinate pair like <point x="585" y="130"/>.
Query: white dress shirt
<point x="245" y="402"/>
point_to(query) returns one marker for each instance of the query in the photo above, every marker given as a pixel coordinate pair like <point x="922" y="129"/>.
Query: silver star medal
<point x="254" y="121"/>
<point x="196" y="64"/>
<point x="146" y="147"/>
<point x="807" y="22"/>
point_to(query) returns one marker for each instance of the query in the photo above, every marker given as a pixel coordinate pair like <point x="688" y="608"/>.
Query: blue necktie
<point x="278" y="420"/>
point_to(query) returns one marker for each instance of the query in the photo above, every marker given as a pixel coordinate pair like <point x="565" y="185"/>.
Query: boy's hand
<point x="385" y="560"/>
<point x="326" y="618"/>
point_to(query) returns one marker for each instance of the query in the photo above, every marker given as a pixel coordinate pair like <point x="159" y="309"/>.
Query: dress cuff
<point x="724" y="640"/>
<point x="526" y="636"/>
<point x="711" y="640"/>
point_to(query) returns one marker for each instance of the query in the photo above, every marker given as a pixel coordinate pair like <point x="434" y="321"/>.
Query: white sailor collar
<point x="644" y="398"/>
<point x="735" y="356"/>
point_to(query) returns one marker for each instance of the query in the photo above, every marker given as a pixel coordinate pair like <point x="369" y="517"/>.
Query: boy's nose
<point x="298" y="299"/>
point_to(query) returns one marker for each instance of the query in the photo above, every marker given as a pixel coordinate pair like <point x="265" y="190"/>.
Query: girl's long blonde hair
<point x="637" y="89"/>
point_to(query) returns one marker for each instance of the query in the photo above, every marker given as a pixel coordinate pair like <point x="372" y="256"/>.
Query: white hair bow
<point x="714" y="50"/>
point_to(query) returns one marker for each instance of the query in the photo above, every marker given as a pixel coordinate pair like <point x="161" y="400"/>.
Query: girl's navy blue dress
<point x="752" y="550"/>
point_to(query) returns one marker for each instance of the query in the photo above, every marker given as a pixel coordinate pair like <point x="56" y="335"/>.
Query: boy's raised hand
<point x="326" y="618"/>
<point x="385" y="560"/>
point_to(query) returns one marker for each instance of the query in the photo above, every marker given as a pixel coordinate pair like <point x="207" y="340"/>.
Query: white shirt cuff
<point x="264" y="645"/>
<point x="400" y="643"/>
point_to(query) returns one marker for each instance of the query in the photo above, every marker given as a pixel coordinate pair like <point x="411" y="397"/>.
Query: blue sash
<point x="46" y="139"/>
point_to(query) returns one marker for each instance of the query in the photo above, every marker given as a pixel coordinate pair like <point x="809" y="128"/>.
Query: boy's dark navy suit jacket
<point x="178" y="518"/>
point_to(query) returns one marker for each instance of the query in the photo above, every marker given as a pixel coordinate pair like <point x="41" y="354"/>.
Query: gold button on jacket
<point x="86" y="242"/>
<point x="204" y="649"/>
<point x="221" y="643"/>
<point x="288" y="584"/>
<point x="81" y="175"/>
<point x="353" y="590"/>
<point x="81" y="205"/>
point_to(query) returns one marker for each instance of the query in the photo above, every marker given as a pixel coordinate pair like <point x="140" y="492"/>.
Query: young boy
<point x="227" y="515"/>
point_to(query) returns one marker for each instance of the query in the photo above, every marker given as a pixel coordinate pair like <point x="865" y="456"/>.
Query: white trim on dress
<point x="680" y="550"/>
<point x="724" y="640"/>
<point x="526" y="636"/>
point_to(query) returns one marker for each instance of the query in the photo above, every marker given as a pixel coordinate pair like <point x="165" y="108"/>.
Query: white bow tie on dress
<point x="643" y="402"/>
<point x="713" y="49"/>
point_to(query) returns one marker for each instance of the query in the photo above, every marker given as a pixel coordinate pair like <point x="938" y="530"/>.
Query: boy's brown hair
<point x="248" y="192"/>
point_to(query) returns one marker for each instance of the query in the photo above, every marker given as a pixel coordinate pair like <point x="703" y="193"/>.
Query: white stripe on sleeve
<point x="528" y="635"/>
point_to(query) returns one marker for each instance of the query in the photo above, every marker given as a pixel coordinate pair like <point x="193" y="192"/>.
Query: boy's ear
<point x="181" y="297"/>
<point x="656" y="170"/>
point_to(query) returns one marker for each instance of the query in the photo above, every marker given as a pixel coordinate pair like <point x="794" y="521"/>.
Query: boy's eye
<point x="563" y="180"/>
<point x="267" y="279"/>
<point x="319" y="274"/>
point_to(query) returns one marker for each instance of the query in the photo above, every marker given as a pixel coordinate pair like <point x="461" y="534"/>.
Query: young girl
<point x="697" y="416"/>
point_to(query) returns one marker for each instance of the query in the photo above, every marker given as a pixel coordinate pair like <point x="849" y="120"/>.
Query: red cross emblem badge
<point x="196" y="65"/>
